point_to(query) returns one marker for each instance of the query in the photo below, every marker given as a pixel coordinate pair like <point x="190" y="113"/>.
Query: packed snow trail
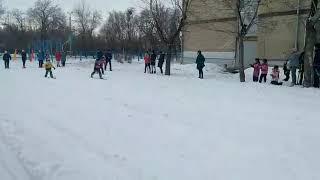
<point x="137" y="126"/>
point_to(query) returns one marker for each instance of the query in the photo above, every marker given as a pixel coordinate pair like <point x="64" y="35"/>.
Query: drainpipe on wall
<point x="296" y="44"/>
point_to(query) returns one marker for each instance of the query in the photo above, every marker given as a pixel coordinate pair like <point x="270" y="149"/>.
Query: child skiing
<point x="275" y="76"/>
<point x="256" y="70"/>
<point x="48" y="66"/>
<point x="98" y="65"/>
<point x="264" y="71"/>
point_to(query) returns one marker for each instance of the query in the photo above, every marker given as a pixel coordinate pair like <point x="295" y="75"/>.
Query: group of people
<point x="261" y="70"/>
<point x="43" y="59"/>
<point x="61" y="58"/>
<point x="101" y="63"/>
<point x="294" y="63"/>
<point x="150" y="62"/>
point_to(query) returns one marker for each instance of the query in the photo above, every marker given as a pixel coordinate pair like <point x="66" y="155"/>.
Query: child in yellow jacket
<point x="48" y="66"/>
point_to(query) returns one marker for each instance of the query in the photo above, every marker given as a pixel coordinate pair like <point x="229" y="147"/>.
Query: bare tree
<point x="87" y="20"/>
<point x="312" y="31"/>
<point x="169" y="18"/>
<point x="114" y="30"/>
<point x="147" y="30"/>
<point x="20" y="19"/>
<point x="46" y="16"/>
<point x="2" y="10"/>
<point x="247" y="13"/>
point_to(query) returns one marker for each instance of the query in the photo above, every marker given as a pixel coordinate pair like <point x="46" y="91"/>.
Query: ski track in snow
<point x="75" y="127"/>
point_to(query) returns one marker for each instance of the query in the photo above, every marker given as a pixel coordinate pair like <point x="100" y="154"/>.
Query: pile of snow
<point x="136" y="126"/>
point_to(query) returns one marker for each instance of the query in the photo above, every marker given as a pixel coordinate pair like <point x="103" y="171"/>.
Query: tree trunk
<point x="168" y="61"/>
<point x="309" y="51"/>
<point x="241" y="60"/>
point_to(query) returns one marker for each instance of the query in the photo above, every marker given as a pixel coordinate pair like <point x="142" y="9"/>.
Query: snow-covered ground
<point x="136" y="126"/>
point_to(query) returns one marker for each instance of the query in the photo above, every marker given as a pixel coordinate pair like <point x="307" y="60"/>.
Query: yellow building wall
<point x="203" y="32"/>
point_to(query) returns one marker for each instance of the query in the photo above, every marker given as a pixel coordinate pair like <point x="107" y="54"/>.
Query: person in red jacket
<point x="58" y="58"/>
<point x="147" y="61"/>
<point x="264" y="71"/>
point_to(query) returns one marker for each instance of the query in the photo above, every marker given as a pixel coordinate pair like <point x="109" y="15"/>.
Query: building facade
<point x="211" y="27"/>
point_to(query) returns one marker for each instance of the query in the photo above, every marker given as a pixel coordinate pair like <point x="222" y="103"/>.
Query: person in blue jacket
<point x="40" y="57"/>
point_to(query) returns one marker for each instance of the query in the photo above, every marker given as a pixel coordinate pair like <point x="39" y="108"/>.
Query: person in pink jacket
<point x="264" y="71"/>
<point x="58" y="58"/>
<point x="275" y="75"/>
<point x="256" y="70"/>
<point x="147" y="63"/>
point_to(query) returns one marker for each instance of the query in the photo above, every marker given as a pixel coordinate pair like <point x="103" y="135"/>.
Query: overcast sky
<point x="102" y="5"/>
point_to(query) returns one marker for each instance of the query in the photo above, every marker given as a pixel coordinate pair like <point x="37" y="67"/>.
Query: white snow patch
<point x="137" y="126"/>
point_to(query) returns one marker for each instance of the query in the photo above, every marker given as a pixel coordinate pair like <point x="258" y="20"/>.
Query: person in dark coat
<point x="200" y="64"/>
<point x="153" y="62"/>
<point x="161" y="61"/>
<point x="316" y="67"/>
<point x="6" y="59"/>
<point x="99" y="55"/>
<point x="108" y="56"/>
<point x="24" y="58"/>
<point x="286" y="71"/>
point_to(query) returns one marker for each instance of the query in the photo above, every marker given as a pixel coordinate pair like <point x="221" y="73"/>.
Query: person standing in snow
<point x="6" y="59"/>
<point x="98" y="65"/>
<point x="200" y="64"/>
<point x="58" y="58"/>
<point x="161" y="61"/>
<point x="256" y="70"/>
<point x="40" y="57"/>
<point x="153" y="59"/>
<point x="293" y="62"/>
<point x="147" y="61"/>
<point x="286" y="71"/>
<point x="275" y="76"/>
<point x="23" y="58"/>
<point x="316" y="67"/>
<point x="264" y="71"/>
<point x="108" y="56"/>
<point x="301" y="68"/>
<point x="48" y="67"/>
<point x="63" y="58"/>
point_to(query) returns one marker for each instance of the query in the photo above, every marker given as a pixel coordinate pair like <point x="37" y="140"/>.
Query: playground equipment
<point x="47" y="46"/>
